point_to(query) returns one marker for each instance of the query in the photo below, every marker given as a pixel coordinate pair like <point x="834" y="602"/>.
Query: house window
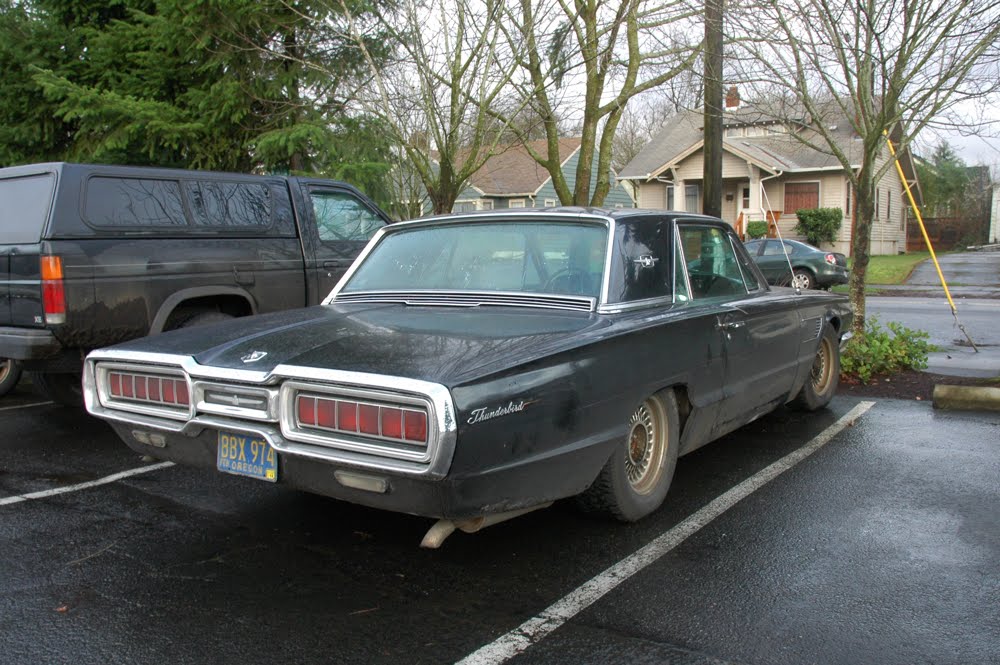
<point x="670" y="197"/>
<point x="550" y="203"/>
<point x="888" y="204"/>
<point x="801" y="195"/>
<point x="516" y="203"/>
<point x="878" y="195"/>
<point x="463" y="206"/>
<point x="847" y="199"/>
<point x="486" y="204"/>
<point x="691" y="198"/>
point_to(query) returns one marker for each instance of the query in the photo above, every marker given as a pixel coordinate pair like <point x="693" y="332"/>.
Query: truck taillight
<point x="53" y="291"/>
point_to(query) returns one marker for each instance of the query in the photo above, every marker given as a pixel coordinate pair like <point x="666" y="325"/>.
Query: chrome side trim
<point x="845" y="338"/>
<point x="616" y="308"/>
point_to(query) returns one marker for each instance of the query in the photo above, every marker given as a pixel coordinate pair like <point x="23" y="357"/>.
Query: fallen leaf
<point x="62" y="609"/>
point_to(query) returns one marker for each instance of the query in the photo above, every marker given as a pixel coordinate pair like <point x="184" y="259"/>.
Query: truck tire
<point x="10" y="374"/>
<point x="63" y="388"/>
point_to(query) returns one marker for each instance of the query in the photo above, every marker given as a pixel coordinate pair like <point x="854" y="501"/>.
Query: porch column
<point x="756" y="199"/>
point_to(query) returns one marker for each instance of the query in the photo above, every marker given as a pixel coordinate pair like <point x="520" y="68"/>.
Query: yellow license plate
<point x="247" y="455"/>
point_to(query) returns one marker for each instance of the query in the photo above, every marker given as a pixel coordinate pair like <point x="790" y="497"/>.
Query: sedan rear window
<point x="24" y="208"/>
<point x="533" y="257"/>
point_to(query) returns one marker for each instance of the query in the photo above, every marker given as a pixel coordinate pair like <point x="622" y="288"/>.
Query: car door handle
<point x="730" y="325"/>
<point x="337" y="263"/>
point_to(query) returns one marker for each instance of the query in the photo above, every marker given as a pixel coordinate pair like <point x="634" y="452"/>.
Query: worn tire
<point x="61" y="388"/>
<point x="803" y="279"/>
<point x="824" y="376"/>
<point x="635" y="480"/>
<point x="10" y="374"/>
<point x="204" y="319"/>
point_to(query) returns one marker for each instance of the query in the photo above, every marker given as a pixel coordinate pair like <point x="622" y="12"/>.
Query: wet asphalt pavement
<point x="882" y="547"/>
<point x="969" y="342"/>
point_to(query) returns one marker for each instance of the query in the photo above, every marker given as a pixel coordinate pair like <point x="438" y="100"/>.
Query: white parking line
<point x="535" y="629"/>
<point x="23" y="406"/>
<point x="6" y="501"/>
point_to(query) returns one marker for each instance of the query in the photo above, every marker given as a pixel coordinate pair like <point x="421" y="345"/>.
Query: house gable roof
<point x="513" y="171"/>
<point x="682" y="136"/>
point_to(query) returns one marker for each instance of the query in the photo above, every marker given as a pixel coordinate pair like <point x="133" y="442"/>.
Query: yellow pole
<point x="923" y="230"/>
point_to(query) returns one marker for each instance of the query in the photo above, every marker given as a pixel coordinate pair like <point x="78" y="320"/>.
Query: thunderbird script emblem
<point x="253" y="356"/>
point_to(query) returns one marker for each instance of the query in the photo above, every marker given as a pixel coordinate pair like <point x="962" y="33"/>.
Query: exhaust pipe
<point x="437" y="534"/>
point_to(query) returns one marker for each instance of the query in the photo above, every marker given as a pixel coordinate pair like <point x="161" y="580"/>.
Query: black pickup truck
<point x="94" y="255"/>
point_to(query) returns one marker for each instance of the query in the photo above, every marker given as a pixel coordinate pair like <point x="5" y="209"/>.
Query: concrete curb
<point x="966" y="398"/>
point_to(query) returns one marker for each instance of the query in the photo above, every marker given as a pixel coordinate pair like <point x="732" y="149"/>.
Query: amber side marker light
<point x="53" y="291"/>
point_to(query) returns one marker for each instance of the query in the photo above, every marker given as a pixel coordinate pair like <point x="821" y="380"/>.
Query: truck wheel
<point x="824" y="376"/>
<point x="635" y="480"/>
<point x="62" y="388"/>
<point x="10" y="374"/>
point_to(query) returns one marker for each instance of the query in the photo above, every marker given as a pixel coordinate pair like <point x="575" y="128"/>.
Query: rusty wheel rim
<point x="645" y="447"/>
<point x="822" y="369"/>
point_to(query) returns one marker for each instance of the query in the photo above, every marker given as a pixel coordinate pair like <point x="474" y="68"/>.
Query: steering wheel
<point x="568" y="280"/>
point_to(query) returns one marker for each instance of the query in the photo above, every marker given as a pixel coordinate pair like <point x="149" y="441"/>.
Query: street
<point x="882" y="545"/>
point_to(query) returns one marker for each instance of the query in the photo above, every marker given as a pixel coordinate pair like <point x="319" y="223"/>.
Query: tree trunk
<point x="861" y="254"/>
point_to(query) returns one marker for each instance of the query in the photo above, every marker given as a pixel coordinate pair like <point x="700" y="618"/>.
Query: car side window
<point x="342" y="217"/>
<point x="747" y="268"/>
<point x="229" y="204"/>
<point x="712" y="264"/>
<point x="773" y="248"/>
<point x="641" y="267"/>
<point x="134" y="202"/>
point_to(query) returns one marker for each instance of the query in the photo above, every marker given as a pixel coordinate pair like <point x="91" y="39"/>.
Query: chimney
<point x="732" y="98"/>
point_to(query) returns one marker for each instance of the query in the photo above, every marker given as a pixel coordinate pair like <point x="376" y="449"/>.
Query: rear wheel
<point x="10" y="374"/>
<point x="635" y="480"/>
<point x="61" y="388"/>
<point x="803" y="279"/>
<point x="824" y="377"/>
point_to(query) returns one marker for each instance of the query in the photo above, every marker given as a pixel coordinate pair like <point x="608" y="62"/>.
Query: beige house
<point x="767" y="175"/>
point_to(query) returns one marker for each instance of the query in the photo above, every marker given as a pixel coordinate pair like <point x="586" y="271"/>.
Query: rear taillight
<point x="831" y="259"/>
<point x="158" y="390"/>
<point x="396" y="423"/>
<point x="53" y="291"/>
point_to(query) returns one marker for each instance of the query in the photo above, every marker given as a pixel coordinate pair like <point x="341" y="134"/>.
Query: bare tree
<point x="883" y="66"/>
<point x="436" y="98"/>
<point x="608" y="53"/>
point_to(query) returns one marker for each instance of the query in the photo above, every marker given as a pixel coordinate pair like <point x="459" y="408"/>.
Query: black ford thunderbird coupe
<point x="473" y="367"/>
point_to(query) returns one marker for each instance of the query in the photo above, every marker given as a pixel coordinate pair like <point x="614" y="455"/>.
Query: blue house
<point x="513" y="179"/>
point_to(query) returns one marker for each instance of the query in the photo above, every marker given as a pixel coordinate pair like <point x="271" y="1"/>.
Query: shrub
<point x="819" y="224"/>
<point x="878" y="352"/>
<point x="757" y="229"/>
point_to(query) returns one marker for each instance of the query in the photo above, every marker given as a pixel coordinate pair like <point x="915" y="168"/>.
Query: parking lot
<point x="800" y="538"/>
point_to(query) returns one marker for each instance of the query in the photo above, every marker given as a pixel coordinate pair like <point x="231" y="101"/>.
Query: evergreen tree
<point x="222" y="84"/>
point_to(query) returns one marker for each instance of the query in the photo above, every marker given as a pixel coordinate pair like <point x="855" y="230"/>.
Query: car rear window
<point x="24" y="208"/>
<point x="134" y="202"/>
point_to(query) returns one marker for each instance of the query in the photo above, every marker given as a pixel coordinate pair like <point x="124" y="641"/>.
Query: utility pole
<point x="712" y="176"/>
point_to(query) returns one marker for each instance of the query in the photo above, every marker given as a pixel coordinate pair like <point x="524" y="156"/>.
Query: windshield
<point x="528" y="257"/>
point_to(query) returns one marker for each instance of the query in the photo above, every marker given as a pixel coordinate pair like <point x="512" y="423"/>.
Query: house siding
<point x="617" y="195"/>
